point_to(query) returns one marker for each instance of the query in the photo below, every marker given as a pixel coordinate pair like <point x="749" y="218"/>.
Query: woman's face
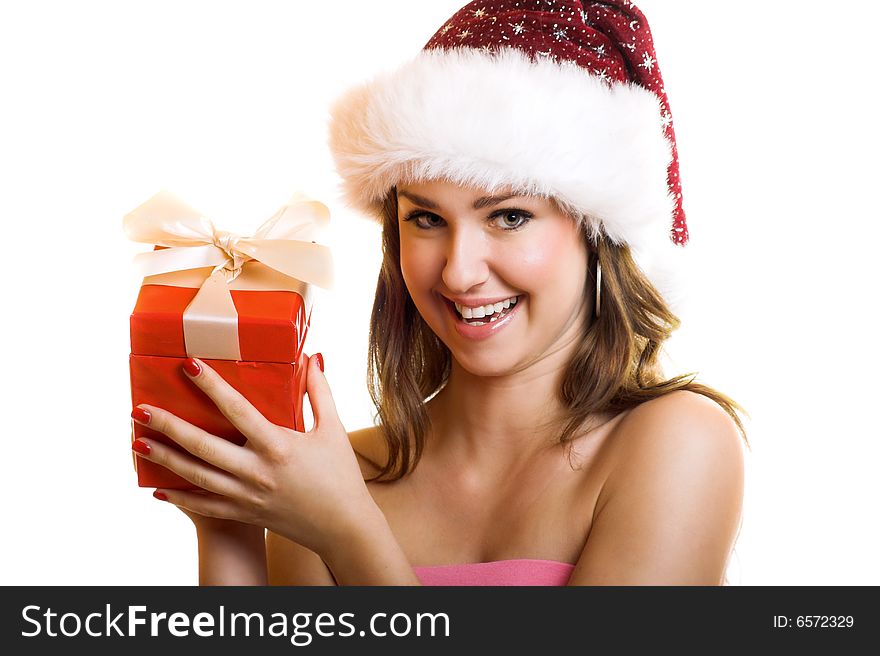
<point x="461" y="245"/>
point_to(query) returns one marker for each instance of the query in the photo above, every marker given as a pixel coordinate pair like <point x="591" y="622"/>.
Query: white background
<point x="224" y="103"/>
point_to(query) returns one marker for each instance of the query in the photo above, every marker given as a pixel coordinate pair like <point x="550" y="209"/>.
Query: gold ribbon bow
<point x="284" y="243"/>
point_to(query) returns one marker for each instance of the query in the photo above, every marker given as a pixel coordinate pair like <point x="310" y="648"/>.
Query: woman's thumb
<point x="320" y="397"/>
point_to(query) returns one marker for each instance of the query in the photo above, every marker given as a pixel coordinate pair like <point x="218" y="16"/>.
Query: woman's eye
<point x="423" y="220"/>
<point x="511" y="220"/>
<point x="507" y="220"/>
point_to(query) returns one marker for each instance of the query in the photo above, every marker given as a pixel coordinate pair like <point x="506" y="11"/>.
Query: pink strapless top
<point x="522" y="571"/>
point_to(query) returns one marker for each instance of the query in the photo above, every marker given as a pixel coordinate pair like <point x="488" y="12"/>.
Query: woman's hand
<point x="307" y="487"/>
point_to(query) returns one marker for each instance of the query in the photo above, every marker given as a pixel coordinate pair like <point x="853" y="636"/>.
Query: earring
<point x="598" y="287"/>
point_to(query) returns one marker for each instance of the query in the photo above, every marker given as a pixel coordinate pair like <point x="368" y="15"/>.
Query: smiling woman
<point x="485" y="251"/>
<point x="547" y="267"/>
<point x="545" y="410"/>
<point x="526" y="433"/>
<point x="539" y="417"/>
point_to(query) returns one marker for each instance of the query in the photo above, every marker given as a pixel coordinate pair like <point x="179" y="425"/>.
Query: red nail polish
<point x="140" y="415"/>
<point x="320" y="359"/>
<point x="192" y="367"/>
<point x="141" y="447"/>
<point x="161" y="496"/>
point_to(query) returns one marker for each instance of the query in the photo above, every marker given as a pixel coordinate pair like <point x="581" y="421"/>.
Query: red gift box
<point x="242" y="305"/>
<point x="271" y="375"/>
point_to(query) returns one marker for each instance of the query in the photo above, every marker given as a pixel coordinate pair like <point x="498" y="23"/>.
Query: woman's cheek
<point x="552" y="270"/>
<point x="540" y="259"/>
<point x="417" y="267"/>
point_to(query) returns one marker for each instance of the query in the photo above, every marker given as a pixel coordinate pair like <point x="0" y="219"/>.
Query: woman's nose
<point x="467" y="261"/>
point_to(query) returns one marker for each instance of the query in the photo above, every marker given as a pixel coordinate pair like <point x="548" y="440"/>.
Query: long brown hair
<point x="615" y="367"/>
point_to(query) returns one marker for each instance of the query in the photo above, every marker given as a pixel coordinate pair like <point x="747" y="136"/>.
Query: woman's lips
<point x="489" y="328"/>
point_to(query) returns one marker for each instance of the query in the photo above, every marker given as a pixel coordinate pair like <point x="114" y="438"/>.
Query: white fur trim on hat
<point x="494" y="120"/>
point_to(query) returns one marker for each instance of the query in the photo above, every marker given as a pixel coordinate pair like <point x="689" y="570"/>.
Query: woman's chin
<point x="484" y="365"/>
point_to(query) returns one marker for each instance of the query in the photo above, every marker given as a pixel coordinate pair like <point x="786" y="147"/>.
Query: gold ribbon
<point x="284" y="243"/>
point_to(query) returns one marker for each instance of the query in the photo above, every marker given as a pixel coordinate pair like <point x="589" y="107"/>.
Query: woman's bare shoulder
<point x="677" y="471"/>
<point x="681" y="424"/>
<point x="370" y="448"/>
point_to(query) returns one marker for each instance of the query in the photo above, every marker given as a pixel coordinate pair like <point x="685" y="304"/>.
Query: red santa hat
<point x="557" y="98"/>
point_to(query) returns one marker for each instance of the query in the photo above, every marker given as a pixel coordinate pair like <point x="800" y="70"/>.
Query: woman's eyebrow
<point x="479" y="204"/>
<point x="487" y="201"/>
<point x="419" y="200"/>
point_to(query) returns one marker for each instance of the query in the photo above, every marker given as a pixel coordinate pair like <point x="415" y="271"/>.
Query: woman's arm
<point x="373" y="562"/>
<point x="670" y="509"/>
<point x="370" y="554"/>
<point x="231" y="553"/>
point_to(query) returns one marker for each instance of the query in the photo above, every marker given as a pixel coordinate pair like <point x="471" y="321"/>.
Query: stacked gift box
<point x="246" y="319"/>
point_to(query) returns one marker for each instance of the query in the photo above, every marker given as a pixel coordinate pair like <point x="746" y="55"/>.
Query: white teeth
<point x="485" y="310"/>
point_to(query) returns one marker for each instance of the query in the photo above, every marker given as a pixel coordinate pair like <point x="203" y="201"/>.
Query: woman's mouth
<point x="486" y="313"/>
<point x="482" y="322"/>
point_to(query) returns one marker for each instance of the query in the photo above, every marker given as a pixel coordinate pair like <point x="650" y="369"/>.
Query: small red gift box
<point x="246" y="320"/>
<point x="271" y="374"/>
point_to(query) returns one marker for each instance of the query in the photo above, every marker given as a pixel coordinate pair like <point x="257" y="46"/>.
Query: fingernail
<point x="320" y="359"/>
<point x="140" y="415"/>
<point x="141" y="447"/>
<point x="161" y="496"/>
<point x="192" y="367"/>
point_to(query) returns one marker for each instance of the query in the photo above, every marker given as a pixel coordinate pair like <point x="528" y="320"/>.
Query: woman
<point x="525" y="173"/>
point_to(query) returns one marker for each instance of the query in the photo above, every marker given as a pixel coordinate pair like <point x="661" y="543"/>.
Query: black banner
<point x="434" y="620"/>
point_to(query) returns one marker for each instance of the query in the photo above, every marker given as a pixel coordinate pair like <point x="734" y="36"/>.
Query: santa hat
<point x="557" y="98"/>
